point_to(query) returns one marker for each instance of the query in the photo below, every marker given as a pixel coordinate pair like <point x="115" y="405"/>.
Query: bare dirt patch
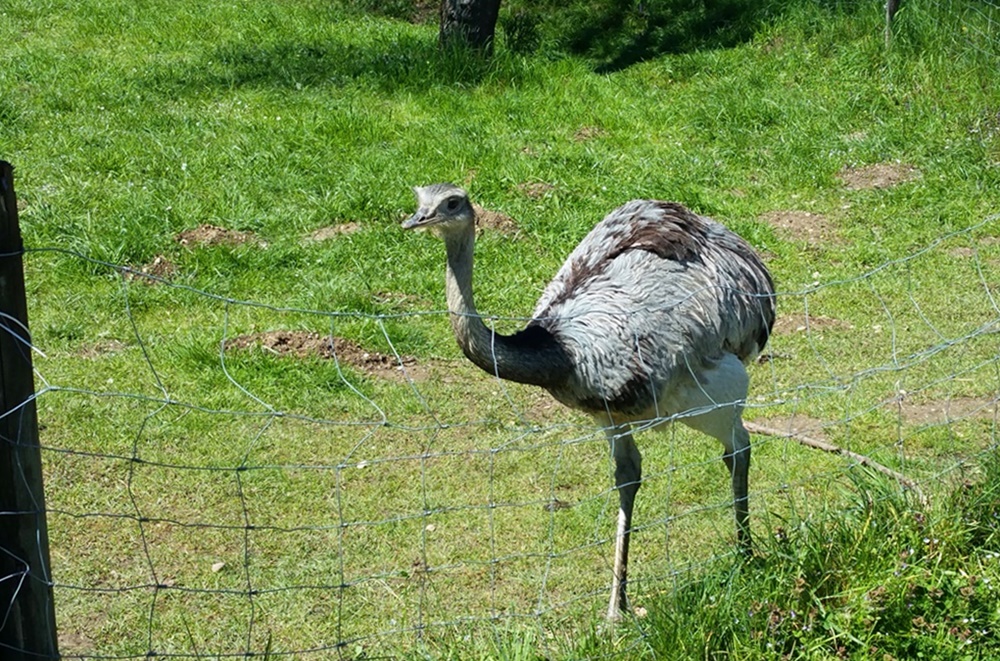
<point x="800" y="323"/>
<point x="333" y="231"/>
<point x="101" y="348"/>
<point x="542" y="408"/>
<point x="398" y="300"/>
<point x="160" y="268"/>
<point x="535" y="189"/>
<point x="308" y="344"/>
<point x="213" y="235"/>
<point x="877" y="175"/>
<point x="72" y="642"/>
<point x="812" y="228"/>
<point x="496" y="221"/>
<point x="938" y="412"/>
<point x="585" y="133"/>
<point x="795" y="425"/>
<point x="964" y="252"/>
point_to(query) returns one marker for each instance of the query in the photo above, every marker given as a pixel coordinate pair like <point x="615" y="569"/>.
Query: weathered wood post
<point x="27" y="613"/>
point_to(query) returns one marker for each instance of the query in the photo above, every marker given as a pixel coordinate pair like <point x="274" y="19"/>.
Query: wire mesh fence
<point x="244" y="479"/>
<point x="210" y="492"/>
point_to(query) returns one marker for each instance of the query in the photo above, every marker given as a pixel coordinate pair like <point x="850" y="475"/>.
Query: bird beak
<point x="419" y="219"/>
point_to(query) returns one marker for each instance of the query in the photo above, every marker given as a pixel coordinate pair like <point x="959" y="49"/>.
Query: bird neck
<point x="531" y="356"/>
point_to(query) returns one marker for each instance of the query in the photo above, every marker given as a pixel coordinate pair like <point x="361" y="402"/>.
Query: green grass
<point x="878" y="579"/>
<point x="210" y="504"/>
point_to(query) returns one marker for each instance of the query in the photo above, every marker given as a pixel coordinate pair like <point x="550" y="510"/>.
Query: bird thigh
<point x="711" y="401"/>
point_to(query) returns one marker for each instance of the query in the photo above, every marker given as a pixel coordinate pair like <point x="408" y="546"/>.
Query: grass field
<point x="210" y="191"/>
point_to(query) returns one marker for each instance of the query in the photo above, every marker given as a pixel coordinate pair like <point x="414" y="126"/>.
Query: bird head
<point x="445" y="207"/>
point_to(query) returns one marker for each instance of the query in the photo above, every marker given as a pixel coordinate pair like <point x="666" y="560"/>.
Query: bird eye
<point x="453" y="203"/>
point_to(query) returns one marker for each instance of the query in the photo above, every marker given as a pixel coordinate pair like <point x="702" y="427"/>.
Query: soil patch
<point x="73" y="642"/>
<point x="796" y="425"/>
<point x="160" y="268"/>
<point x="943" y="411"/>
<point x="800" y="323"/>
<point x="333" y="231"/>
<point x="543" y="408"/>
<point x="965" y="252"/>
<point x="496" y="221"/>
<point x="306" y="344"/>
<point x="535" y="189"/>
<point x="212" y="235"/>
<point x="101" y="348"/>
<point x="878" y="175"/>
<point x="398" y="300"/>
<point x="585" y="133"/>
<point x="812" y="228"/>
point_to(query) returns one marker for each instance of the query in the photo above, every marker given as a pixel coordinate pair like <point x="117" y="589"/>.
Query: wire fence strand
<point x="408" y="503"/>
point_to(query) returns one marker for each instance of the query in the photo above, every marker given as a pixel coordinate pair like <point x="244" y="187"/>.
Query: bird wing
<point x="652" y="289"/>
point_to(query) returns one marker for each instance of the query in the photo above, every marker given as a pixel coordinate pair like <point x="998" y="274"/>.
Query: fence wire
<point x="292" y="483"/>
<point x="290" y="493"/>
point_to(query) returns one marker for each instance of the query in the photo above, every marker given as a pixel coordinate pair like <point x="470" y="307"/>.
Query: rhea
<point x="652" y="318"/>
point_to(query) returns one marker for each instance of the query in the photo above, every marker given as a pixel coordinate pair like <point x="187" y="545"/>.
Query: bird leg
<point x="628" y="473"/>
<point x="714" y="406"/>
<point x="738" y="462"/>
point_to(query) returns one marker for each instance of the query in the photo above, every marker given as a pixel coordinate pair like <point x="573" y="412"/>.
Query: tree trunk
<point x="470" y="23"/>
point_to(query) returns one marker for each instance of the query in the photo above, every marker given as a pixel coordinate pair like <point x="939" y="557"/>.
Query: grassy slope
<point x="130" y="122"/>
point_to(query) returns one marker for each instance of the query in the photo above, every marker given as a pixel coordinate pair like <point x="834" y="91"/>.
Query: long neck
<point x="530" y="356"/>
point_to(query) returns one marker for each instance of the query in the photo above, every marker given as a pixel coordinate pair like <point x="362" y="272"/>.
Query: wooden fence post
<point x="27" y="612"/>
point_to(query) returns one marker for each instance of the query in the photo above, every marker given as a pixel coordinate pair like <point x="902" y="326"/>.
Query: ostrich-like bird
<point x="652" y="317"/>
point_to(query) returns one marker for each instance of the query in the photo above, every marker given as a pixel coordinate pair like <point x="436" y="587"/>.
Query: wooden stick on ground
<point x="811" y="442"/>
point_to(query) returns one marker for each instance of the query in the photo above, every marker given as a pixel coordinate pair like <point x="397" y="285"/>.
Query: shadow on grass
<point x="613" y="33"/>
<point x="619" y="34"/>
<point x="403" y="63"/>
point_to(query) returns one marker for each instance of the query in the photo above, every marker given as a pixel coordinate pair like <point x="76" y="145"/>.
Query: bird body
<point x="652" y="317"/>
<point x="651" y="294"/>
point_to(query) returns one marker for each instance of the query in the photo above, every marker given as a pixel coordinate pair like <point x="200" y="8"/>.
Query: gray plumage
<point x="653" y="315"/>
